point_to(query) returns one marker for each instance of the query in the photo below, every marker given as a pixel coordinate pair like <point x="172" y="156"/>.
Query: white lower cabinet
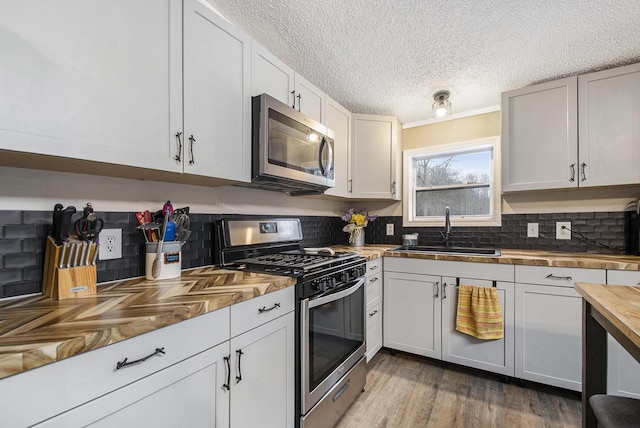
<point x="492" y="355"/>
<point x="262" y="380"/>
<point x="623" y="371"/>
<point x="420" y="312"/>
<point x="230" y="367"/>
<point x="186" y="394"/>
<point x="411" y="313"/>
<point x="373" y="299"/>
<point x="548" y="318"/>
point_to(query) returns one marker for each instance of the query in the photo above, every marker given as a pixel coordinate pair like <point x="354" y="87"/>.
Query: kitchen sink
<point x="467" y="251"/>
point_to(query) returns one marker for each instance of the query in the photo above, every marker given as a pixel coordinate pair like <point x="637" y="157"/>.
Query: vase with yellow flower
<point x="356" y="222"/>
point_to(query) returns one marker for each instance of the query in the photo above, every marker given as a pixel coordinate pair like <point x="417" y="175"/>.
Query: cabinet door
<point x="374" y="329"/>
<point x="491" y="355"/>
<point x="270" y="75"/>
<point x="372" y="159"/>
<point x="338" y="119"/>
<point x="623" y="371"/>
<point x="539" y="136"/>
<point x="609" y="132"/>
<point x="92" y="80"/>
<point x="548" y="335"/>
<point x="263" y="375"/>
<point x="411" y="313"/>
<point x="217" y="104"/>
<point x="309" y="99"/>
<point x="189" y="393"/>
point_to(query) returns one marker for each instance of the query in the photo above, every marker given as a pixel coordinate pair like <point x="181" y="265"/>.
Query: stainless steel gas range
<point x="330" y="311"/>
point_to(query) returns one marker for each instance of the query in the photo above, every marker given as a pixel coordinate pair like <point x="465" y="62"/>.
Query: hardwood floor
<point x="407" y="391"/>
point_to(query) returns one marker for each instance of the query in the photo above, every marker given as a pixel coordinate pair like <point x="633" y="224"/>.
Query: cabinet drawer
<point x="373" y="287"/>
<point x="79" y="379"/>
<point x="257" y="311"/>
<point x="374" y="267"/>
<point x="558" y="276"/>
<point x="623" y="277"/>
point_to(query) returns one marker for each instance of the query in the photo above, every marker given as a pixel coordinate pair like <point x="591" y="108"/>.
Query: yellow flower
<point x="359" y="219"/>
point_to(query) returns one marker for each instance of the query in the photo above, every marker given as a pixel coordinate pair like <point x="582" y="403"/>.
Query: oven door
<point x="332" y="341"/>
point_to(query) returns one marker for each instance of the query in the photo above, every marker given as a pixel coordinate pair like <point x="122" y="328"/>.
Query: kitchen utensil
<point x="167" y="208"/>
<point x="170" y="231"/>
<point x="61" y="223"/>
<point x="95" y="254"/>
<point x="151" y="235"/>
<point x="170" y="260"/>
<point x="62" y="254"/>
<point x="89" y="226"/>
<point x="157" y="264"/>
<point x="183" y="235"/>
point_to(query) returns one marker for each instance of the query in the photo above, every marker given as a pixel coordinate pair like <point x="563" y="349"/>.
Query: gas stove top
<point x="273" y="246"/>
<point x="295" y="262"/>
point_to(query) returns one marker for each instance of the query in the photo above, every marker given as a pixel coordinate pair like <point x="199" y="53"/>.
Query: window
<point x="463" y="176"/>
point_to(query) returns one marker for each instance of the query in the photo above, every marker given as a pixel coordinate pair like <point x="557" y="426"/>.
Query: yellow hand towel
<point x="479" y="313"/>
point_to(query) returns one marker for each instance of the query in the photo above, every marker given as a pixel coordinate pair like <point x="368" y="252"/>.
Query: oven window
<point x="336" y="330"/>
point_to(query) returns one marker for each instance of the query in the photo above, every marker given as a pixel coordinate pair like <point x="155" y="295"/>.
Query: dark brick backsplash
<point x="23" y="235"/>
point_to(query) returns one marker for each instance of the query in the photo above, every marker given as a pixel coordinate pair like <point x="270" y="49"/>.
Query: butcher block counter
<point x="37" y="330"/>
<point x="615" y="310"/>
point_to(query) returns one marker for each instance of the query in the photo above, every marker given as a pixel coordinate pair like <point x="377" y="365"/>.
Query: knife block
<point x="66" y="283"/>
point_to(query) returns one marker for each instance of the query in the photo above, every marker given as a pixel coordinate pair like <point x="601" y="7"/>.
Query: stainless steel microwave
<point x="291" y="152"/>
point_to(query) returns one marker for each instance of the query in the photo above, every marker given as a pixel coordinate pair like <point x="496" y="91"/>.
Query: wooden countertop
<point x="37" y="330"/>
<point x="511" y="257"/>
<point x="619" y="305"/>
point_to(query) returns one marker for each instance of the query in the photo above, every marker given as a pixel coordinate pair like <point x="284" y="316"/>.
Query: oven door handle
<point x="319" y="301"/>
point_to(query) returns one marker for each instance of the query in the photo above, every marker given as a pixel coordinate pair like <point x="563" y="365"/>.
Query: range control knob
<point x="345" y="277"/>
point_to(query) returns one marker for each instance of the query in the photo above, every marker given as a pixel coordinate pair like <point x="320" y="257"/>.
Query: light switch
<point x="532" y="230"/>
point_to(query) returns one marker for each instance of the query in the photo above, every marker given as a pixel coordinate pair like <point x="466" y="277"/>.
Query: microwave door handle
<point x="336" y="296"/>
<point x="320" y="150"/>
<point x="329" y="158"/>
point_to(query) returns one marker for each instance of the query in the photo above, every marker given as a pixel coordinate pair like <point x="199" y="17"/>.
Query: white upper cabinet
<point x="270" y="76"/>
<point x="609" y="134"/>
<point x="217" y="105"/>
<point x="309" y="100"/>
<point x="575" y="132"/>
<point x="92" y="80"/>
<point x="539" y="136"/>
<point x="338" y="119"/>
<point x="374" y="156"/>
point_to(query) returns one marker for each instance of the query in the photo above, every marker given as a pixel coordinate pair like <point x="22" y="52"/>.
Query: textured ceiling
<point x="390" y="56"/>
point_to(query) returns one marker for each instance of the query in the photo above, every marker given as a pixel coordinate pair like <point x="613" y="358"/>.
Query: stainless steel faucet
<point x="447" y="227"/>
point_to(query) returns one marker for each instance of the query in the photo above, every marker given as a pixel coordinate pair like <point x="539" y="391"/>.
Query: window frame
<point x="409" y="184"/>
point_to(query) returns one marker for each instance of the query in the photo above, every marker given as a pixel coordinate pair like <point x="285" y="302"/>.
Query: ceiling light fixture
<point x="442" y="105"/>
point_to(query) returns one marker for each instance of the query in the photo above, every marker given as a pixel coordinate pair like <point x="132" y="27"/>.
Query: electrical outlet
<point x="389" y="229"/>
<point x="110" y="244"/>
<point x="563" y="233"/>
<point x="532" y="230"/>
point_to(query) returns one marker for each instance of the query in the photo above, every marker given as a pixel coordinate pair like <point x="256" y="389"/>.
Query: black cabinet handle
<point x="583" y="168"/>
<point x="192" y="140"/>
<point x="227" y="360"/>
<point x="437" y="285"/>
<point x="294" y="99"/>
<point x="563" y="278"/>
<point x="444" y="290"/>
<point x="373" y="313"/>
<point x="239" y="353"/>
<point x="573" y="172"/>
<point x="126" y="361"/>
<point x="178" y="157"/>
<point x="299" y="98"/>
<point x="265" y="309"/>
